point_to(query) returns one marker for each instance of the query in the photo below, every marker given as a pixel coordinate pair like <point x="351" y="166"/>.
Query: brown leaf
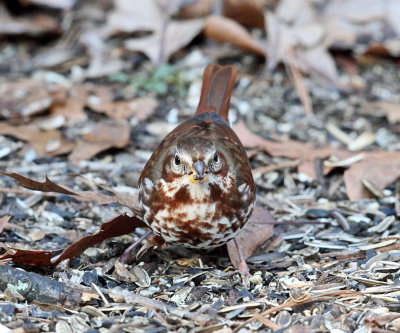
<point x="58" y="4"/>
<point x="44" y="143"/>
<point x="294" y="26"/>
<point x="72" y="108"/>
<point x="391" y="110"/>
<point x="249" y="13"/>
<point x="102" y="100"/>
<point x="226" y="30"/>
<point x="252" y="236"/>
<point x="46" y="186"/>
<point x="379" y="168"/>
<point x="26" y="98"/>
<point x="196" y="9"/>
<point x="121" y="274"/>
<point x="167" y="36"/>
<point x="289" y="148"/>
<point x="102" y="61"/>
<point x="118" y="226"/>
<point x="34" y="26"/>
<point x="101" y="136"/>
<point x="159" y="47"/>
<point x="381" y="320"/>
<point x="134" y="15"/>
<point x="3" y="221"/>
<point x="125" y="199"/>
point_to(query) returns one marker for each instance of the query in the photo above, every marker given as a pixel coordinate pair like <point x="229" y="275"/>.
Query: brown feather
<point x="218" y="83"/>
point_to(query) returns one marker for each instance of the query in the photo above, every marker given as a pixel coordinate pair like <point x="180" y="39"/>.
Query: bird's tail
<point x="218" y="82"/>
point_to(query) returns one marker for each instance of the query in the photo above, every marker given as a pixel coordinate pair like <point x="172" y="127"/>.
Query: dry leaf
<point x="121" y="274"/>
<point x="134" y="15"/>
<point x="34" y="26"/>
<point x="379" y="168"/>
<point x="122" y="198"/>
<point x="3" y="221"/>
<point x="58" y="4"/>
<point x="226" y="30"/>
<point x="391" y="110"/>
<point x="102" y="61"/>
<point x="167" y="36"/>
<point x="118" y="226"/>
<point x="294" y="28"/>
<point x="72" y="108"/>
<point x="290" y="149"/>
<point x="249" y="13"/>
<point x="101" y="136"/>
<point x="252" y="236"/>
<point x="46" y="186"/>
<point x="160" y="48"/>
<point x="44" y="143"/>
<point x="196" y="9"/>
<point x="27" y="98"/>
<point x="101" y="100"/>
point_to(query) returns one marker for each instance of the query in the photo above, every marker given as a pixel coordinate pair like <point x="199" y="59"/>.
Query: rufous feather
<point x="218" y="83"/>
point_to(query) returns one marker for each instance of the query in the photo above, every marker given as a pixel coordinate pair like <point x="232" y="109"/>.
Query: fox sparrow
<point x="197" y="189"/>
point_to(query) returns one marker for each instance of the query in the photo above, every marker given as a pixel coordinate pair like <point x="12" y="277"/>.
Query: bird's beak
<point x="199" y="167"/>
<point x="198" y="170"/>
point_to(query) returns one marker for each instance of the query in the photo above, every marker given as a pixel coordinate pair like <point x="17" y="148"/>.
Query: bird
<point x="197" y="189"/>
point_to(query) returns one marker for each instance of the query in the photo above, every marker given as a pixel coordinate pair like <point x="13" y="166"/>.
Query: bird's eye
<point x="216" y="159"/>
<point x="177" y="160"/>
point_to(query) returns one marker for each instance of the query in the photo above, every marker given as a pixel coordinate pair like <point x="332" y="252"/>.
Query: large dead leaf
<point x="134" y="15"/>
<point x="72" y="108"/>
<point x="310" y="29"/>
<point x="249" y="13"/>
<point x="102" y="61"/>
<point x="27" y="98"/>
<point x="34" y="26"/>
<point x="3" y="221"/>
<point x="379" y="168"/>
<point x="167" y="36"/>
<point x="293" y="27"/>
<point x="46" y="186"/>
<point x="254" y="234"/>
<point x="391" y="110"/>
<point x="58" y="4"/>
<point x="160" y="46"/>
<point x="44" y="143"/>
<point x="287" y="148"/>
<point x="226" y="30"/>
<point x="121" y="225"/>
<point x="358" y="24"/>
<point x="122" y="198"/>
<point x="100" y="137"/>
<point x="101" y="99"/>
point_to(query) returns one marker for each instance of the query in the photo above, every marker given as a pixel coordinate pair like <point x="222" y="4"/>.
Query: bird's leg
<point x="242" y="268"/>
<point x="126" y="256"/>
<point x="153" y="241"/>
